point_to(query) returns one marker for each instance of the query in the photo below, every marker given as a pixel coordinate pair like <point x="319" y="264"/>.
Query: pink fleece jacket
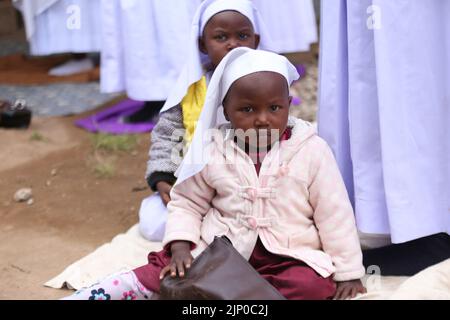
<point x="298" y="205"/>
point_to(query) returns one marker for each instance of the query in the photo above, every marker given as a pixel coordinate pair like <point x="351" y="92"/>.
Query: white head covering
<point x="193" y="69"/>
<point x="236" y="64"/>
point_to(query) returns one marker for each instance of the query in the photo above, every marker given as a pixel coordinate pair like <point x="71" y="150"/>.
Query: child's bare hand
<point x="181" y="259"/>
<point x="349" y="289"/>
<point x="164" y="191"/>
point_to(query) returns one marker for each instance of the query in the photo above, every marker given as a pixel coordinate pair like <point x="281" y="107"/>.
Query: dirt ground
<point x="74" y="211"/>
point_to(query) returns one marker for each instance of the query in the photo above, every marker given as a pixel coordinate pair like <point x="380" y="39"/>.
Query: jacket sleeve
<point x="333" y="215"/>
<point x="166" y="148"/>
<point x="190" y="201"/>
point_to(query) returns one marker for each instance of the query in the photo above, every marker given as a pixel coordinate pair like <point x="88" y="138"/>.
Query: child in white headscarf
<point x="285" y="208"/>
<point x="218" y="27"/>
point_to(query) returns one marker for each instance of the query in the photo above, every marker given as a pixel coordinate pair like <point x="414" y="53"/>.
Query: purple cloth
<point x="296" y="101"/>
<point x="110" y="120"/>
<point x="301" y="69"/>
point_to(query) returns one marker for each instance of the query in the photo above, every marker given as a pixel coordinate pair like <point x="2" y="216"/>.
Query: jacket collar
<point x="301" y="132"/>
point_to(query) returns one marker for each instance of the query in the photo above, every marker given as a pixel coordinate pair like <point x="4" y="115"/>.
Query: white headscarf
<point x="236" y="64"/>
<point x="193" y="69"/>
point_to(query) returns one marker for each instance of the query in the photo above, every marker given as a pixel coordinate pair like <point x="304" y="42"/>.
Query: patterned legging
<point x="120" y="286"/>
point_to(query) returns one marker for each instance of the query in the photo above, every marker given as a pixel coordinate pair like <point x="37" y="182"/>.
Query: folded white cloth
<point x="124" y="253"/>
<point x="130" y="250"/>
<point x="432" y="283"/>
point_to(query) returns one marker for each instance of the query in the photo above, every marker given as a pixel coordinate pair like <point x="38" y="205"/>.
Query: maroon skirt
<point x="294" y="279"/>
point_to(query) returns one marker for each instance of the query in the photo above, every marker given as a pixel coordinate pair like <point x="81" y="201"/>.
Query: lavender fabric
<point x="110" y="120"/>
<point x="384" y="110"/>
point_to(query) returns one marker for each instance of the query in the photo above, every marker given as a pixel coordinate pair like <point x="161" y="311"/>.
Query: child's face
<point x="258" y="104"/>
<point x="224" y="32"/>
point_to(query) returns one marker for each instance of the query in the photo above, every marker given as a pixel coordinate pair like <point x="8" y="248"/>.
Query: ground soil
<point x="74" y="210"/>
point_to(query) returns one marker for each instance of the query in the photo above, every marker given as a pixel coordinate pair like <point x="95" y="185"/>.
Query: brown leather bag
<point x="219" y="273"/>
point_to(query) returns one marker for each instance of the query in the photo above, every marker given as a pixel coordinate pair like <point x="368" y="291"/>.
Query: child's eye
<point x="247" y="109"/>
<point x="220" y="37"/>
<point x="243" y="36"/>
<point x="275" y="108"/>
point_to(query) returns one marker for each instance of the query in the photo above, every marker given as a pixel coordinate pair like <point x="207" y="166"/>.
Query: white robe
<point x="291" y="24"/>
<point x="30" y="9"/>
<point x="384" y="107"/>
<point x="144" y="45"/>
<point x="60" y="26"/>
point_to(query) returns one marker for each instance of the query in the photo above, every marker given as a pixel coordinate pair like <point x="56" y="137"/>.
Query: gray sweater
<point x="165" y="153"/>
<point x="166" y="147"/>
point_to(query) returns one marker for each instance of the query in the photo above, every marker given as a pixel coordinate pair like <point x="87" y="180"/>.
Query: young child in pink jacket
<point x="218" y="27"/>
<point x="269" y="184"/>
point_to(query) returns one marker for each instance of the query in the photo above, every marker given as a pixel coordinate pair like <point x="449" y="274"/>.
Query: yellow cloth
<point x="191" y="106"/>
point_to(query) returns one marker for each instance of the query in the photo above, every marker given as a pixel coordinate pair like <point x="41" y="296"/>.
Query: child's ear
<point x="290" y="100"/>
<point x="201" y="45"/>
<point x="257" y="40"/>
<point x="226" y="114"/>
